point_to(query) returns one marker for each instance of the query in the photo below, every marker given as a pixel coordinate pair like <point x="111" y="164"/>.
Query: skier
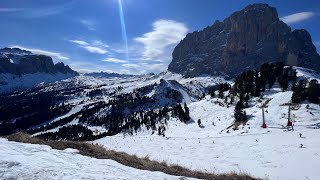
<point x="300" y="135"/>
<point x="256" y="140"/>
<point x="199" y="122"/>
<point x="301" y="145"/>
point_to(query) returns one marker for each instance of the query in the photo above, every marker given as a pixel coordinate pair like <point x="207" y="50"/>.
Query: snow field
<point x="30" y="161"/>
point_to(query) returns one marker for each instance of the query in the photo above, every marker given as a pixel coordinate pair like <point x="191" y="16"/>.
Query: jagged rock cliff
<point x="243" y="41"/>
<point x="19" y="62"/>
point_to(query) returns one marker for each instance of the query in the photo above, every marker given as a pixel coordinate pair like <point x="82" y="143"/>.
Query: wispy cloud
<point x="44" y="52"/>
<point x="97" y="46"/>
<point x="297" y="17"/>
<point x="80" y="42"/>
<point x="38" y="12"/>
<point x="11" y="9"/>
<point x="86" y="67"/>
<point x="90" y="24"/>
<point x="114" y="60"/>
<point x="100" y="44"/>
<point x="96" y="50"/>
<point x="130" y="65"/>
<point x="165" y="33"/>
<point x="151" y="51"/>
<point x="141" y="68"/>
<point x="317" y="45"/>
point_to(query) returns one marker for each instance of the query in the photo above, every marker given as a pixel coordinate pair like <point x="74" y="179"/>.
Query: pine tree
<point x="239" y="115"/>
<point x="187" y="115"/>
<point x="257" y="84"/>
<point x="314" y="91"/>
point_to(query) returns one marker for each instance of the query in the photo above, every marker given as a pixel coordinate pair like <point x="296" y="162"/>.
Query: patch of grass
<point x="99" y="152"/>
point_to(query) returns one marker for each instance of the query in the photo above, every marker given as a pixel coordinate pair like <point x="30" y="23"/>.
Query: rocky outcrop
<point x="19" y="62"/>
<point x="243" y="41"/>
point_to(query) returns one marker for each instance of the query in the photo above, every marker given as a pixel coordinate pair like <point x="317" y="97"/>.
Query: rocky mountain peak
<point x="14" y="50"/>
<point x="19" y="62"/>
<point x="243" y="41"/>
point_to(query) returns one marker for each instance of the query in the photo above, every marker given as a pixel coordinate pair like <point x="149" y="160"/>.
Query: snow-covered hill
<point x="30" y="161"/>
<point x="218" y="145"/>
<point x="214" y="148"/>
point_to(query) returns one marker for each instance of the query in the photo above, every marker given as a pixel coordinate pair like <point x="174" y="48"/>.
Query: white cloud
<point x="130" y="65"/>
<point x="316" y="43"/>
<point x="165" y="33"/>
<point x="10" y="9"/>
<point x="97" y="46"/>
<point x="44" y="52"/>
<point x="83" y="43"/>
<point x="86" y="67"/>
<point x="90" y="24"/>
<point x="99" y="43"/>
<point x="97" y="50"/>
<point x="39" y="12"/>
<point x="139" y="68"/>
<point x="114" y="60"/>
<point x="297" y="17"/>
<point x="149" y="52"/>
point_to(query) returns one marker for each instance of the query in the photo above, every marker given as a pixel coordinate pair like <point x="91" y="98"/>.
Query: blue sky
<point x="89" y="36"/>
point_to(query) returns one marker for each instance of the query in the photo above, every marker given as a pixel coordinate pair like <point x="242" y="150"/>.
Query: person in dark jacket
<point x="301" y="145"/>
<point x="199" y="122"/>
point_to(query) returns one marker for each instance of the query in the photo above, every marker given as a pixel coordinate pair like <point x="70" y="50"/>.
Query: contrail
<point x="123" y="28"/>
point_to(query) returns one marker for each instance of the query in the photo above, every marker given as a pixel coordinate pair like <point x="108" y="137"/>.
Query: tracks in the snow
<point x="97" y="151"/>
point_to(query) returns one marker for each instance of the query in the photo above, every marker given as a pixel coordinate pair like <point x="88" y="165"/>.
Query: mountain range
<point x="19" y="62"/>
<point x="239" y="96"/>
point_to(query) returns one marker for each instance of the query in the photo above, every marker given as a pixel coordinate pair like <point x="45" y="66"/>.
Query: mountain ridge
<point x="19" y="62"/>
<point x="243" y="41"/>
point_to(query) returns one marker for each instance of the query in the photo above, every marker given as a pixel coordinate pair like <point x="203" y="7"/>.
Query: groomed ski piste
<point x="271" y="153"/>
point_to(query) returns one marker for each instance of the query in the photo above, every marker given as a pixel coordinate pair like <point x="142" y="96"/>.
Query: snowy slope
<point x="29" y="161"/>
<point x="276" y="155"/>
<point x="188" y="87"/>
<point x="307" y="73"/>
<point x="9" y="82"/>
<point x="271" y="153"/>
<point x="215" y="147"/>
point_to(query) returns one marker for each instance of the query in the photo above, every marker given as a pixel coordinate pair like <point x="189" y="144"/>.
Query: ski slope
<point x="30" y="161"/>
<point x="271" y="153"/>
<point x="276" y="155"/>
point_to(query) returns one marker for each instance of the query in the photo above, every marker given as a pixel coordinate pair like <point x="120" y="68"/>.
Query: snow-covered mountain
<point x="237" y="99"/>
<point x="23" y="69"/>
<point x="244" y="41"/>
<point x="120" y="111"/>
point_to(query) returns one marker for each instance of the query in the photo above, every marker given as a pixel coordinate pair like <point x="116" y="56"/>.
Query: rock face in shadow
<point x="243" y="41"/>
<point x="20" y="62"/>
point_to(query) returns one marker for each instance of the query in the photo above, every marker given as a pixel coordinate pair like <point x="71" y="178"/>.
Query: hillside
<point x="19" y="161"/>
<point x="87" y="107"/>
